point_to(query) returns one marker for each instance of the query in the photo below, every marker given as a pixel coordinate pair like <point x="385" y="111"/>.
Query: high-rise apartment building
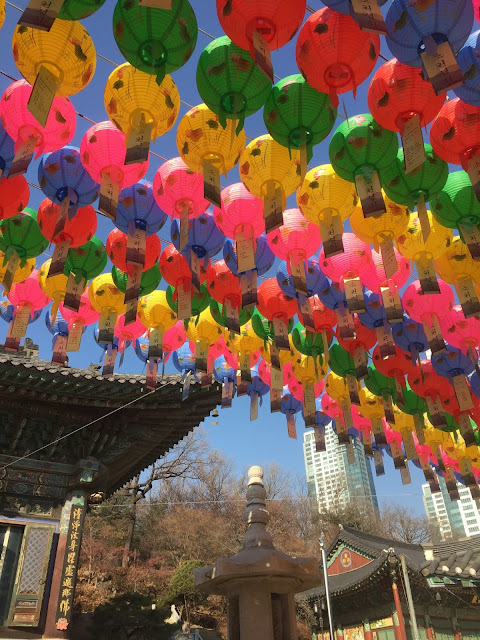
<point x="332" y="478"/>
<point x="454" y="518"/>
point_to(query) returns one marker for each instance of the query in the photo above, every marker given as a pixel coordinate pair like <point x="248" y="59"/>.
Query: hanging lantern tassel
<point x="320" y="444"/>
<point x="75" y="331"/>
<point x="233" y="316"/>
<point x="427" y="276"/>
<point x="138" y="141"/>
<point x="370" y="193"/>
<point x="211" y="183"/>
<point x="43" y="93"/>
<point x="155" y="343"/>
<point x="11" y="343"/>
<point x="345" y="322"/>
<point x="347" y="423"/>
<point x="391" y="302"/>
<point x="427" y="469"/>
<point x="151" y="381"/>
<point x="468" y="297"/>
<point x="292" y="429"/>
<point x="23" y="155"/>
<point x="184" y="226"/>
<point x="276" y="387"/>
<point x="354" y="295"/>
<point x="352" y="386"/>
<point x="106" y="326"/>
<point x="412" y="142"/>
<point x="201" y="356"/>
<point x="195" y="270"/>
<point x="361" y="362"/>
<point x="73" y="292"/>
<point x="419" y="426"/>
<point x="331" y="232"/>
<point x="385" y="339"/>
<point x="261" y="54"/>
<point x="368" y="16"/>
<point x="409" y="445"/>
<point x="132" y="291"/>
<point x="378" y="461"/>
<point x="20" y="320"/>
<point x="297" y="267"/>
<point x="109" y="190"/>
<point x="39" y="15"/>
<point x="248" y="282"/>
<point x="57" y="298"/>
<point x="109" y="361"/>
<point x="309" y="408"/>
<point x="378" y="432"/>
<point x="436" y="412"/>
<point x="465" y="468"/>
<point x="399" y="386"/>
<point x="273" y="207"/>
<point x="245" y="371"/>
<point x="253" y="406"/>
<point x="466" y="430"/>
<point x="388" y="408"/>
<point x="184" y="300"/>
<point x="389" y="259"/>
<point x="227" y="393"/>
<point x="367" y="443"/>
<point x="306" y="310"/>
<point x="432" y="329"/>
<point x="441" y="66"/>
<point x="242" y="387"/>
<point x="59" y="355"/>
<point x="471" y="237"/>
<point x="451" y="483"/>
<point x="280" y="329"/>
<point x="245" y="249"/>
<point x="13" y="260"/>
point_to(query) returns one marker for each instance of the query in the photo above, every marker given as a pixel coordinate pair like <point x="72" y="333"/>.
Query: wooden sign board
<point x="109" y="361"/>
<point x="275" y="401"/>
<point x="392" y="304"/>
<point x="130" y="313"/>
<point x="12" y="267"/>
<point x="346" y="324"/>
<point x="419" y="427"/>
<point x="201" y="356"/>
<point x="20" y="320"/>
<point x="413" y="147"/>
<point x="434" y="336"/>
<point x="41" y="14"/>
<point x="211" y="183"/>
<point x="242" y="387"/>
<point x="471" y="237"/>
<point x="195" y="270"/>
<point x="151" y="377"/>
<point x="442" y="68"/>
<point x="409" y="445"/>
<point x="306" y="312"/>
<point x="276" y="379"/>
<point x="378" y="461"/>
<point x="397" y="455"/>
<point x="299" y="278"/>
<point x="388" y="408"/>
<point x="59" y="355"/>
<point x="75" y="336"/>
<point x="138" y="142"/>
<point x="245" y="370"/>
<point x="462" y="392"/>
<point x="361" y="362"/>
<point x="370" y="194"/>
<point x="261" y="54"/>
<point x="291" y="428"/>
<point x="59" y="257"/>
<point x="233" y="318"/>
<point x="253" y="406"/>
<point x="352" y="386"/>
<point x="275" y="356"/>
<point x="280" y="329"/>
<point x="436" y="412"/>
<point x="405" y="474"/>
<point x="134" y="279"/>
<point x="108" y="200"/>
<point x="466" y="429"/>
<point x="227" y="394"/>
<point x="320" y="443"/>
<point x="184" y="227"/>
<point x="43" y="93"/>
<point x="451" y="483"/>
<point x="61" y="217"/>
<point x="184" y="301"/>
<point x="389" y="259"/>
<point x="368" y="16"/>
<point x="385" y="341"/>
<point x="309" y="401"/>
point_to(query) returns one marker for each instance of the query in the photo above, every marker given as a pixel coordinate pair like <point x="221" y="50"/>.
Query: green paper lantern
<point x="308" y="342"/>
<point x="230" y="83"/>
<point x="86" y="261"/>
<point x="149" y="281"/>
<point x="413" y="403"/>
<point x="456" y="204"/>
<point x="264" y="328"/>
<point x="200" y="301"/>
<point x="406" y="188"/>
<point x="79" y="9"/>
<point x="156" y="41"/>
<point x="218" y="313"/>
<point x="22" y="234"/>
<point x="380" y="385"/>
<point x="296" y="113"/>
<point x="341" y="362"/>
<point x="360" y="146"/>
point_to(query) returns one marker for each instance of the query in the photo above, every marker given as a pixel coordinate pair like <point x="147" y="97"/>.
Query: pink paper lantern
<point x="374" y="277"/>
<point x="265" y="372"/>
<point x="85" y="315"/>
<point x="176" y="186"/>
<point x="424" y="307"/>
<point x="102" y="150"/>
<point x="232" y="359"/>
<point x="353" y="262"/>
<point x="331" y="407"/>
<point x="461" y="332"/>
<point x="296" y="389"/>
<point x="127" y="333"/>
<point x="175" y="337"/>
<point x="21" y="125"/>
<point x="28" y="294"/>
<point x="241" y="211"/>
<point x="297" y="239"/>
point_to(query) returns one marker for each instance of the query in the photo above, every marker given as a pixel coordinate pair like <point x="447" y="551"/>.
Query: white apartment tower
<point x="454" y="518"/>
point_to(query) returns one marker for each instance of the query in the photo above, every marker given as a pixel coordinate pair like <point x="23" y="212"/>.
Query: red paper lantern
<point x="426" y="382"/>
<point x="396" y="367"/>
<point x="273" y="303"/>
<point x="364" y="338"/>
<point x="223" y="285"/>
<point x="175" y="269"/>
<point x="324" y="319"/>
<point x="455" y="132"/>
<point x="14" y="196"/>
<point x="117" y="250"/>
<point x="78" y="230"/>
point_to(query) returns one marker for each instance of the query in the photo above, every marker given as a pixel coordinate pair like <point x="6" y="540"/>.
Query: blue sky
<point x="248" y="443"/>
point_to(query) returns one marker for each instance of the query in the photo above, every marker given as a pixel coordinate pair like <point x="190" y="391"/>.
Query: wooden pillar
<point x="339" y="631"/>
<point x="429" y="628"/>
<point x="69" y="541"/>
<point x="457" y="633"/>
<point x="398" y="619"/>
<point x="367" y="632"/>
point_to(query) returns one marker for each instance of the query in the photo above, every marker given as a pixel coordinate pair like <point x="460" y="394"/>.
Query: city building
<point x="334" y="479"/>
<point x="454" y="518"/>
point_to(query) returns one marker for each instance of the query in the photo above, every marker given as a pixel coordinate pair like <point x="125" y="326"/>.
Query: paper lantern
<point x="323" y="317"/>
<point x="315" y="281"/>
<point x="204" y="332"/>
<point x="230" y="83"/>
<point x="256" y="390"/>
<point x="312" y="343"/>
<point x="176" y="271"/>
<point x="78" y="320"/>
<point x="462" y="332"/>
<point x="219" y="314"/>
<point x="156" y="41"/>
<point x="375" y="277"/>
<point x="79" y="9"/>
<point x="21" y="273"/>
<point x="127" y="332"/>
<point x="454" y="365"/>
<point x="21" y="235"/>
<point x="435" y="389"/>
<point x="83" y="263"/>
<point x="105" y="298"/>
<point x="27" y="297"/>
<point x="334" y="298"/>
<point x="410" y="336"/>
<point x="359" y="149"/>
<point x="457" y="267"/>
<point x="273" y="303"/>
<point x="7" y="147"/>
<point x="137" y="207"/>
<point x="263" y="256"/>
<point x="149" y="281"/>
<point x="117" y="250"/>
<point x="14" y="196"/>
<point x="333" y="54"/>
<point x="468" y="62"/>
<point x="224" y="287"/>
<point x="245" y="346"/>
<point x="396" y="366"/>
<point x="2" y="13"/>
<point x="365" y="339"/>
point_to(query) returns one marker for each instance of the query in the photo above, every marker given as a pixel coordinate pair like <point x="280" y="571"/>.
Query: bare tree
<point x="400" y="524"/>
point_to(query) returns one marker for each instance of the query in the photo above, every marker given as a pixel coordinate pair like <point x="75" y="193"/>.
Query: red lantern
<point x="324" y="319"/>
<point x="333" y="54"/>
<point x="117" y="250"/>
<point x="365" y="338"/>
<point x="77" y="231"/>
<point x="275" y="306"/>
<point x="175" y="269"/>
<point x="436" y="389"/>
<point x="14" y="196"/>
<point x="224" y="287"/>
<point x="396" y="366"/>
<point x="455" y="132"/>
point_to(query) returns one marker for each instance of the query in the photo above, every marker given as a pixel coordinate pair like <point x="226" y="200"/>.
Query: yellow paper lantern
<point x="105" y="297"/>
<point x="2" y="13"/>
<point x="285" y="355"/>
<point x="305" y="371"/>
<point x="412" y="245"/>
<point x="456" y="263"/>
<point x="21" y="273"/>
<point x="132" y="96"/>
<point x="384" y="229"/>
<point x="203" y="328"/>
<point x="337" y="389"/>
<point x="54" y="287"/>
<point x="201" y="137"/>
<point x="266" y="165"/>
<point x="246" y="342"/>
<point x="67" y="51"/>
<point x="371" y="406"/>
<point x="154" y="311"/>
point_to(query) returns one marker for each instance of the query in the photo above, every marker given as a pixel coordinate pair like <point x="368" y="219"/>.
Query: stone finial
<point x="256" y="515"/>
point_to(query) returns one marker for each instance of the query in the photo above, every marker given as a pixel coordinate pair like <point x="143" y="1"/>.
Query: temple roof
<point x="459" y="559"/>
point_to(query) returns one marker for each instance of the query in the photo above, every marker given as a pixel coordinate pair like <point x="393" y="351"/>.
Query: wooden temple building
<point x="52" y="466"/>
<point x="369" y="590"/>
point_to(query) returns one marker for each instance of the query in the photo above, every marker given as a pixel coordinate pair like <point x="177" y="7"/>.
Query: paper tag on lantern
<point x="233" y="320"/>
<point x="346" y="325"/>
<point x="201" y="356"/>
<point x="75" y="336"/>
<point x="399" y="390"/>
<point x="41" y="14"/>
<point x="397" y="455"/>
<point x="309" y="400"/>
<point x="378" y="461"/>
<point x="276" y="383"/>
<point x="261" y="54"/>
<point x="206" y="379"/>
<point x="291" y="428"/>
<point x="43" y="93"/>
<point x="419" y="425"/>
<point x="184" y="302"/>
<point x="326" y="352"/>
<point x="350" y="453"/>
<point x="245" y="251"/>
<point x="211" y="183"/>
<point x="155" y="345"/>
<point x="60" y="350"/>
<point x="368" y="16"/>
<point x="151" y="376"/>
<point x="388" y="408"/>
<point x="436" y="412"/>
<point x="227" y="394"/>
<point x="59" y="257"/>
<point x="390" y="264"/>
<point x="468" y="297"/>
<point x="412" y="142"/>
<point x="354" y="295"/>
<point x="360" y="361"/>
<point x="433" y="483"/>
<point x="370" y="194"/>
<point x="136" y="247"/>
<point x="352" y="385"/>
<point x="280" y="329"/>
<point x="275" y="357"/>
<point x="248" y="282"/>
<point x="108" y="201"/>
<point x="253" y="406"/>
<point x="275" y="401"/>
<point x="195" y="270"/>
<point x="427" y="276"/>
<point x="138" y="142"/>
<point x="442" y="69"/>
<point x="73" y="293"/>
<point x="245" y="370"/>
<point x="471" y="237"/>
<point x="131" y="312"/>
<point x="61" y="216"/>
<point x="320" y="444"/>
<point x="466" y="429"/>
<point x="306" y="311"/>
<point x="462" y="392"/>
<point x="332" y="236"/>
<point x="473" y="170"/>
<point x="309" y="419"/>
<point x="242" y="387"/>
<point x="451" y="483"/>
<point x="134" y="278"/>
<point x="20" y="321"/>
<point x="12" y="267"/>
<point x="23" y="156"/>
<point x="466" y="471"/>
<point x="434" y="336"/>
<point x="184" y="227"/>
<point x="342" y="429"/>
<point x="299" y="278"/>
<point x="426" y="468"/>
<point x="273" y="207"/>
<point x="106" y="325"/>
<point x="109" y="362"/>
<point x="367" y="445"/>
<point x="11" y="344"/>
<point x="405" y="474"/>
<point x="422" y="215"/>
<point x="391" y="302"/>
<point x="409" y="445"/>
<point x="157" y="4"/>
<point x="385" y="341"/>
